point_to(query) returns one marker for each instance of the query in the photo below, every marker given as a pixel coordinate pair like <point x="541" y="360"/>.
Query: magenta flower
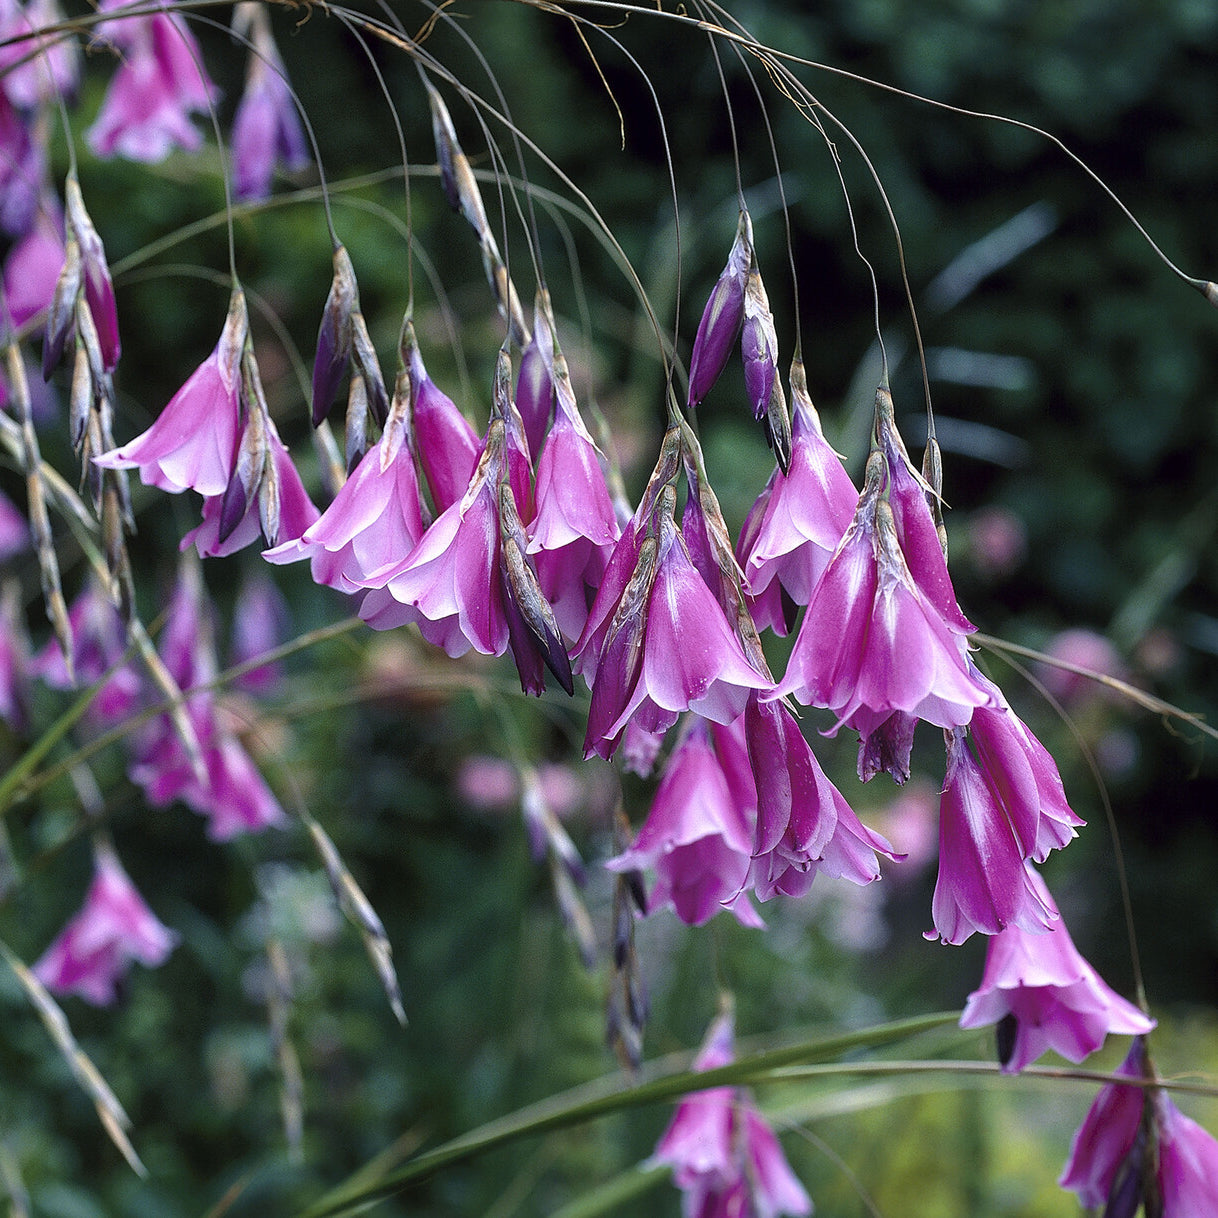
<point x="373" y="522"/>
<point x="723" y="316"/>
<point x="113" y="928"/>
<point x="14" y="530"/>
<point x="723" y="1154"/>
<point x="22" y="170"/>
<point x="983" y="884"/>
<point x="575" y="528"/>
<point x="446" y="443"/>
<point x="804" y="824"/>
<point x="696" y="837"/>
<point x="1111" y="1161"/>
<point x="448" y="582"/>
<point x="664" y="643"/>
<point x="266" y="126"/>
<point x="798" y="520"/>
<point x="193" y="444"/>
<point x="872" y="640"/>
<point x="160" y="82"/>
<point x="1022" y="777"/>
<point x="1043" y="995"/>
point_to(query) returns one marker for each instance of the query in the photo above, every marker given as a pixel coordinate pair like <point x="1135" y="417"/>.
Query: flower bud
<point x="334" y="335"/>
<point x="722" y="317"/>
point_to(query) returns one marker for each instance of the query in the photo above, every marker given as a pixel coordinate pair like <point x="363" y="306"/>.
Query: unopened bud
<point x="61" y="313"/>
<point x="365" y="360"/>
<point x="758" y="345"/>
<point x="722" y="317"/>
<point x="334" y="335"/>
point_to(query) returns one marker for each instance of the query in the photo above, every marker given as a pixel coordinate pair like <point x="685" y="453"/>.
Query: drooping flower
<point x="662" y="642"/>
<point x="872" y="640"/>
<point x="575" y="528"/>
<point x="1043" y="995"/>
<point x="696" y="837"/>
<point x="723" y="316"/>
<point x="159" y="83"/>
<point x="723" y="1154"/>
<point x="193" y="444"/>
<point x="804" y="824"/>
<point x="798" y="520"/>
<point x="1112" y="1161"/>
<point x="372" y="523"/>
<point x="266" y="126"/>
<point x="113" y="928"/>
<point x="983" y="884"/>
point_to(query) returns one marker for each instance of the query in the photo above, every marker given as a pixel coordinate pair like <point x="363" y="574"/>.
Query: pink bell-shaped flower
<point x="1043" y="995"/>
<point x="696" y="837"/>
<point x="113" y="928"/>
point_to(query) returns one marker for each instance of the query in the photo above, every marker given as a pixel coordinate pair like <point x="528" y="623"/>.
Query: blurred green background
<point x="1073" y="402"/>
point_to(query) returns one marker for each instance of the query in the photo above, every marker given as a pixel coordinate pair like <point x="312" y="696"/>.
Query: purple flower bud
<point x="334" y="335"/>
<point x="758" y="345"/>
<point x="722" y="317"/>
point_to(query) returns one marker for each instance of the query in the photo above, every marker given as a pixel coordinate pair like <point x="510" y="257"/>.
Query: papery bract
<point x="1052" y="996"/>
<point x="695" y="838"/>
<point x="113" y="928"/>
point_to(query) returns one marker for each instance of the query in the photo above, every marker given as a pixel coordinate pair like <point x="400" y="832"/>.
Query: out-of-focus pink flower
<point x="113" y="928"/>
<point x="696" y="837"/>
<point x="983" y="884"/>
<point x="798" y="520"/>
<point x="1083" y="649"/>
<point x="14" y="531"/>
<point x="260" y="624"/>
<point x="160" y="82"/>
<point x="723" y="1154"/>
<point x="997" y="541"/>
<point x="1043" y="995"/>
<point x="22" y="170"/>
<point x="193" y="444"/>
<point x="31" y="82"/>
<point x="32" y="268"/>
<point x="1111" y="1161"/>
<point x="99" y="641"/>
<point x="266" y="126"/>
<point x="722" y="317"/>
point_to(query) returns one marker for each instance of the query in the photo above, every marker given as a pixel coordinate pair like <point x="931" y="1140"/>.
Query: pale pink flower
<point x="55" y="72"/>
<point x="159" y="83"/>
<point x="32" y="267"/>
<point x="114" y="927"/>
<point x="193" y="444"/>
